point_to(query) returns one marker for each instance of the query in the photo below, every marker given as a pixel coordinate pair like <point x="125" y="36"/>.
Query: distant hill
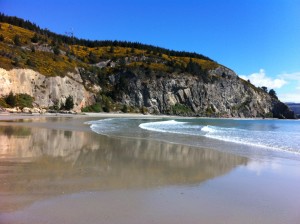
<point x="121" y="76"/>
<point x="294" y="107"/>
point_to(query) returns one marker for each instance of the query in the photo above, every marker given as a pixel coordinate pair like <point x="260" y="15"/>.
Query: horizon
<point x="259" y="41"/>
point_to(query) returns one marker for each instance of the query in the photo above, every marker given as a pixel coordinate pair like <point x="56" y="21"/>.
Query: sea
<point x="264" y="138"/>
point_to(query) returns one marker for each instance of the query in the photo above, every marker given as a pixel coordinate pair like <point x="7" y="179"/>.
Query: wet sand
<point x="55" y="170"/>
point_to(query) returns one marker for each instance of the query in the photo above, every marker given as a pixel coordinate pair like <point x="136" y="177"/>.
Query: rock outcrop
<point x="118" y="75"/>
<point x="45" y="90"/>
<point x="225" y="95"/>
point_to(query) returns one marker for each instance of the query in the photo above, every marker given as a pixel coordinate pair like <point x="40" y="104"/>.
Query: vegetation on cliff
<point x="16" y="100"/>
<point x="132" y="77"/>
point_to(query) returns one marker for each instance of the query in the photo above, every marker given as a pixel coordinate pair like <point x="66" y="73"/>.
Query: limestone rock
<point x="46" y="90"/>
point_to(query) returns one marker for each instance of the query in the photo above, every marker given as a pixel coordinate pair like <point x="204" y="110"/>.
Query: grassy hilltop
<point x="25" y="45"/>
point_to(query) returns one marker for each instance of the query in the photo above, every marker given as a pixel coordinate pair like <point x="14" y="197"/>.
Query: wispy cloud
<point x="290" y="97"/>
<point x="290" y="81"/>
<point x="261" y="79"/>
<point x="291" y="76"/>
<point x="294" y="93"/>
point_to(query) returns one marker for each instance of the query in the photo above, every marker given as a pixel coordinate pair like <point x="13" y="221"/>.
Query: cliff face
<point x="121" y="75"/>
<point x="226" y="95"/>
<point x="45" y="90"/>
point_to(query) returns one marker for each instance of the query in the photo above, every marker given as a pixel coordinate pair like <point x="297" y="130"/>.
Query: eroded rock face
<point x="45" y="90"/>
<point x="226" y="95"/>
<point x="223" y="95"/>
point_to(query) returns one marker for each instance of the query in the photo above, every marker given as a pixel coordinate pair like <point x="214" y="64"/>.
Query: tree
<point x="35" y="38"/>
<point x="1" y="37"/>
<point x="56" y="105"/>
<point x="56" y="50"/>
<point x="92" y="58"/>
<point x="111" y="49"/>
<point x="29" y="62"/>
<point x="273" y="94"/>
<point x="69" y="103"/>
<point x="265" y="89"/>
<point x="17" y="40"/>
<point x="10" y="99"/>
<point x="16" y="61"/>
<point x="122" y="62"/>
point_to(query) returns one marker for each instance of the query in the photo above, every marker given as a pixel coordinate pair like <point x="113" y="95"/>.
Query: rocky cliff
<point x="122" y="76"/>
<point x="223" y="95"/>
<point x="46" y="90"/>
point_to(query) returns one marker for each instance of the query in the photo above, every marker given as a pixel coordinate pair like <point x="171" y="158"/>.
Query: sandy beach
<point x="54" y="169"/>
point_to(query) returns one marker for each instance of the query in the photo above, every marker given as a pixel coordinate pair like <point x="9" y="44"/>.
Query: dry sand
<point x="53" y="169"/>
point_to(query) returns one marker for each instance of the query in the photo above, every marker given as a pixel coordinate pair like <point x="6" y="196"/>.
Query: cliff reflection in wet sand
<point x="37" y="163"/>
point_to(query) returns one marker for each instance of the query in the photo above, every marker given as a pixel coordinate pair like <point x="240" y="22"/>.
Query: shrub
<point x="55" y="106"/>
<point x="125" y="109"/>
<point x="19" y="100"/>
<point x="56" y="50"/>
<point x="181" y="109"/>
<point x="29" y="62"/>
<point x="92" y="108"/>
<point x="144" y="110"/>
<point x="24" y="100"/>
<point x="35" y="38"/>
<point x="11" y="100"/>
<point x="17" y="40"/>
<point x="3" y="103"/>
<point x="69" y="105"/>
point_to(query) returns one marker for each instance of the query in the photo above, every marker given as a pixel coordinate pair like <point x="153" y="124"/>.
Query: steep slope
<point x="114" y="76"/>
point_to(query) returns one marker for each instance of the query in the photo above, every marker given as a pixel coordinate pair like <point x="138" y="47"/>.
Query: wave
<point x="172" y="126"/>
<point x="270" y="135"/>
<point x="275" y="140"/>
<point x="104" y="126"/>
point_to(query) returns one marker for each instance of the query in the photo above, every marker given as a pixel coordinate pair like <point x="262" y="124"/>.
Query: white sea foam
<point x="172" y="126"/>
<point x="267" y="139"/>
<point x="273" y="135"/>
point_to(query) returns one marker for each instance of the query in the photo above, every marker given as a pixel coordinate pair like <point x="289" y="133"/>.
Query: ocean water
<point x="242" y="136"/>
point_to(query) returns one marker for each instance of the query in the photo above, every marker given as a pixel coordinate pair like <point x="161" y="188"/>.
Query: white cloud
<point x="291" y="76"/>
<point x="290" y="97"/>
<point x="294" y="77"/>
<point x="261" y="79"/>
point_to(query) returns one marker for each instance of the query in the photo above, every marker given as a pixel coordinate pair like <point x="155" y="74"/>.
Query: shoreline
<point x="11" y="116"/>
<point x="76" y="175"/>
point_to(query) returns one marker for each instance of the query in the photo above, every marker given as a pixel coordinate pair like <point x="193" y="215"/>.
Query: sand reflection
<point x="37" y="163"/>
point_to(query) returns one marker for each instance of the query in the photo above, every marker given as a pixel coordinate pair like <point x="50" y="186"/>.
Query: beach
<point x="55" y="169"/>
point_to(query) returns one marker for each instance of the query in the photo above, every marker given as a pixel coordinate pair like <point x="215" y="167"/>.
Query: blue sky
<point x="258" y="39"/>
